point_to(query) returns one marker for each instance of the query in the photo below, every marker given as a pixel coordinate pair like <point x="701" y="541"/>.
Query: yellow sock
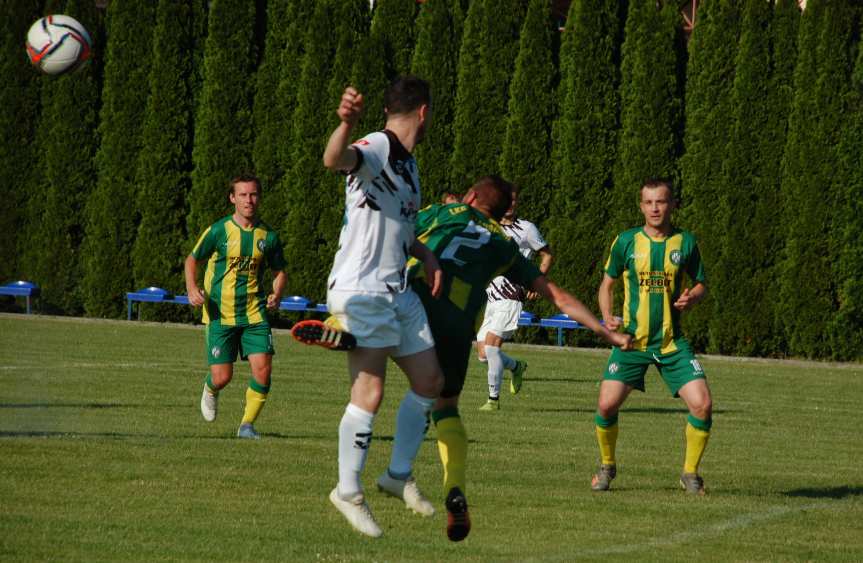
<point x="607" y="438"/>
<point x="696" y="442"/>
<point x="452" y="446"/>
<point x="254" y="403"/>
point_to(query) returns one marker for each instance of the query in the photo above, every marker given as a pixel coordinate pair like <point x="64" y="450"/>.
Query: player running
<point x="652" y="261"/>
<point x="237" y="249"/>
<point x="472" y="249"/>
<point x="504" y="308"/>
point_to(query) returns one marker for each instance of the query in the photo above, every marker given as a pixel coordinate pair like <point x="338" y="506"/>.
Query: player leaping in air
<point x="369" y="297"/>
<point x="472" y="249"/>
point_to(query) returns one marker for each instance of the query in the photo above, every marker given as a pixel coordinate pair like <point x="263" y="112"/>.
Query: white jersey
<point x="382" y="196"/>
<point x="529" y="241"/>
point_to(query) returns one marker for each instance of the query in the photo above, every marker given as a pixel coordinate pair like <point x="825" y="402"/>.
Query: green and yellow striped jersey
<point x="472" y="250"/>
<point x="652" y="271"/>
<point x="233" y="281"/>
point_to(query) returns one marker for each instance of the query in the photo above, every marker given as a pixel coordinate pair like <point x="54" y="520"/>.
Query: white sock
<point x="508" y="362"/>
<point x="495" y="370"/>
<point x="411" y="427"/>
<point x="355" y="437"/>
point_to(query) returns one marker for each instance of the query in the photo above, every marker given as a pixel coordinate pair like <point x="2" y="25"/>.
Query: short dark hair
<point x="652" y="183"/>
<point x="495" y="194"/>
<point x="244" y="177"/>
<point x="405" y="94"/>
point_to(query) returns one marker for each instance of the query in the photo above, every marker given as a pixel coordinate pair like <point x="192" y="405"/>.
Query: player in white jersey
<point x="504" y="307"/>
<point x="368" y="295"/>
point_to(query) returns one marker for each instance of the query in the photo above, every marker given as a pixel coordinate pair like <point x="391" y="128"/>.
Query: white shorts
<point x="382" y="320"/>
<point x="501" y="318"/>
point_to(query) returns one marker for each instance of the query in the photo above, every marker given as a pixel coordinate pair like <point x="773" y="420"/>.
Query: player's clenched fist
<point x="351" y="106"/>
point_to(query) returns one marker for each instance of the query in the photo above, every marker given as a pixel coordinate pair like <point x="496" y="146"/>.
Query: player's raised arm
<point x="577" y="311"/>
<point x="339" y="155"/>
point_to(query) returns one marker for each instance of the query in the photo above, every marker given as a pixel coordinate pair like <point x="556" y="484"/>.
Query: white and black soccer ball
<point x="58" y="44"/>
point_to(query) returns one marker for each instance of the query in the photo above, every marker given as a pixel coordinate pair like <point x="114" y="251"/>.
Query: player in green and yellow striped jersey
<point x="472" y="249"/>
<point x="237" y="249"/>
<point x="652" y="261"/>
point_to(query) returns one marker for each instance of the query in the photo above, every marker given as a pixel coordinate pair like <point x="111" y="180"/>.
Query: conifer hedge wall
<point x="110" y="173"/>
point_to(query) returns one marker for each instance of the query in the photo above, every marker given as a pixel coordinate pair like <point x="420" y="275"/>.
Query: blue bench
<point x="23" y="289"/>
<point x="528" y="319"/>
<point x="159" y="295"/>
<point x="560" y="322"/>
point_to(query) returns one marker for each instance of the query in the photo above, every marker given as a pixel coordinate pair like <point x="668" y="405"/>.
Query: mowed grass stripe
<point x="104" y="456"/>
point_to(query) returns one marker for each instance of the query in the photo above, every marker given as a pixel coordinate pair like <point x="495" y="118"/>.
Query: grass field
<point x="104" y="456"/>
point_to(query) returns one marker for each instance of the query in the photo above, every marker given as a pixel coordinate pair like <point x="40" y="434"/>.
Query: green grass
<point x="104" y="457"/>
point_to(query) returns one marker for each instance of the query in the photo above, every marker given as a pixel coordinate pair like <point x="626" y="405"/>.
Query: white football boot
<point x="357" y="513"/>
<point x="408" y="491"/>
<point x="209" y="404"/>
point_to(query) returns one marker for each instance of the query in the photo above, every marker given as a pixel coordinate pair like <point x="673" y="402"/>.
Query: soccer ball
<point x="58" y="44"/>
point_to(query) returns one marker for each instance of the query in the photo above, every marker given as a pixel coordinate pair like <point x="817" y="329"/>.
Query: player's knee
<point x="430" y="386"/>
<point x="702" y="407"/>
<point x="607" y="407"/>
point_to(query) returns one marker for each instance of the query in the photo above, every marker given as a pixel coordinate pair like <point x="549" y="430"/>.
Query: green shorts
<point x="677" y="368"/>
<point x="453" y="336"/>
<point x="223" y="342"/>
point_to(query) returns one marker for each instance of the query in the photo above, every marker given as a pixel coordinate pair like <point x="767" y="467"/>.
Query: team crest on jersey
<point x="613" y="367"/>
<point x="399" y="167"/>
<point x="216" y="352"/>
<point x="676" y="257"/>
<point x="262" y="244"/>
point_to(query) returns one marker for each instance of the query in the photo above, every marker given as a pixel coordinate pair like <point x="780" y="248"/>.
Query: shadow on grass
<point x="426" y="439"/>
<point x="637" y="410"/>
<point x="530" y="379"/>
<point x="828" y="492"/>
<point x="68" y="406"/>
<point x="56" y="434"/>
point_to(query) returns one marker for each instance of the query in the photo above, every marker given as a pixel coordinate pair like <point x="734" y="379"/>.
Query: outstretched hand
<point x="351" y="106"/>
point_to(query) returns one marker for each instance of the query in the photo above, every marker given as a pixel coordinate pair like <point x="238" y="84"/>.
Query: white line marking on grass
<point x="738" y="522"/>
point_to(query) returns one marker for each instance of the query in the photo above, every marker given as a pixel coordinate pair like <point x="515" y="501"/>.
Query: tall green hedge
<point x="164" y="165"/>
<point x="270" y="120"/>
<point x="385" y="53"/>
<point x="525" y="157"/>
<point x="280" y="125"/>
<point x="312" y="121"/>
<point x="846" y="327"/>
<point x="439" y="28"/>
<point x="223" y="125"/>
<point x="810" y="179"/>
<point x="710" y="78"/>
<point x="585" y="145"/>
<point x="111" y="214"/>
<point x="486" y="65"/>
<point x="650" y="106"/>
<point x="353" y="29"/>
<point x="741" y="305"/>
<point x="19" y="115"/>
<point x="64" y="176"/>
